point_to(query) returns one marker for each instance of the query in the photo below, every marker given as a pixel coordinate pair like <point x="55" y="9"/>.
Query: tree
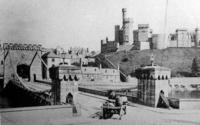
<point x="196" y="66"/>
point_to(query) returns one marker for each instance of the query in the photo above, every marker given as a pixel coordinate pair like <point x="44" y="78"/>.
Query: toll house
<point x="153" y="83"/>
<point x="64" y="84"/>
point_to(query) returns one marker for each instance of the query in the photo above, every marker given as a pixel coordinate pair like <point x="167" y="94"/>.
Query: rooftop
<point x="50" y="55"/>
<point x="154" y="67"/>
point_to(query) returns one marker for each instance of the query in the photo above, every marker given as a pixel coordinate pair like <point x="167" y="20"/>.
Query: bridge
<point x="22" y="63"/>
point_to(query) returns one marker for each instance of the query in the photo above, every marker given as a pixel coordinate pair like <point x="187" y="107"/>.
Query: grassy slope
<point x="178" y="59"/>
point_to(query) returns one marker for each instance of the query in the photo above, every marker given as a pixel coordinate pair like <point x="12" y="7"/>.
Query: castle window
<point x="85" y="69"/>
<point x="52" y="59"/>
<point x="95" y="70"/>
<point x="105" y="71"/>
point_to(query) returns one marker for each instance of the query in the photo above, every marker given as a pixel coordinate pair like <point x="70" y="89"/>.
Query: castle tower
<point x="117" y="32"/>
<point x="197" y="37"/>
<point x="124" y="15"/>
<point x="127" y="28"/>
<point x="183" y="38"/>
<point x="152" y="80"/>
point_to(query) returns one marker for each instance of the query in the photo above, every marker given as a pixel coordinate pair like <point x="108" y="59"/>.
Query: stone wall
<point x="189" y="104"/>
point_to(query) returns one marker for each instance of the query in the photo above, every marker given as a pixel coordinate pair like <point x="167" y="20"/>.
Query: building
<point x="182" y="38"/>
<point x="108" y="46"/>
<point x="50" y="59"/>
<point x="98" y="74"/>
<point x="142" y="36"/>
<point x="64" y="84"/>
<point x="152" y="81"/>
<point x="78" y="51"/>
<point x="75" y="56"/>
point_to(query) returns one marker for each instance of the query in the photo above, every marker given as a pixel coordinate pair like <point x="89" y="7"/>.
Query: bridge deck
<point x="90" y="111"/>
<point x="37" y="86"/>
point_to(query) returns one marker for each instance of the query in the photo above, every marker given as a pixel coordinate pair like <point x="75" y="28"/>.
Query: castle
<point x="143" y="38"/>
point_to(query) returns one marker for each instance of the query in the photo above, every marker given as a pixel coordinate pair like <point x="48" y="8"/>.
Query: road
<point x="142" y="115"/>
<point x="90" y="112"/>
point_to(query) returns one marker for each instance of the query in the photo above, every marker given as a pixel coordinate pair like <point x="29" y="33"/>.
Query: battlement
<point x="143" y="26"/>
<point x="19" y="46"/>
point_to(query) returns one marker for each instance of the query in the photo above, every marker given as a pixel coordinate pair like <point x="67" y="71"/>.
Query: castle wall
<point x="144" y="45"/>
<point x="183" y="38"/>
<point x="141" y="45"/>
<point x="109" y="46"/>
<point x="143" y="32"/>
<point x="158" y="41"/>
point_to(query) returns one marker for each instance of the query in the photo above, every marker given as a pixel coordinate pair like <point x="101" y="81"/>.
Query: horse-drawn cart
<point x="110" y="108"/>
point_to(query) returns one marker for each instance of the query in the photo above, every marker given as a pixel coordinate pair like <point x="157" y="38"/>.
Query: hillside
<point x="179" y="60"/>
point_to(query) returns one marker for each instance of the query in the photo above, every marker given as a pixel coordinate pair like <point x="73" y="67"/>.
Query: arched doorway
<point x="69" y="98"/>
<point x="162" y="101"/>
<point x="23" y="70"/>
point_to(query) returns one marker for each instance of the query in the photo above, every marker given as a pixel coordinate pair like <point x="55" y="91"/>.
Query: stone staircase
<point x="105" y="62"/>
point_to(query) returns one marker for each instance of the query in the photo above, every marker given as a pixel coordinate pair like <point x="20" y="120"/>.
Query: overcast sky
<point x="84" y="23"/>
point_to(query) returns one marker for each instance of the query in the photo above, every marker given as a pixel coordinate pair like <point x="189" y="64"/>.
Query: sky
<point x="83" y="23"/>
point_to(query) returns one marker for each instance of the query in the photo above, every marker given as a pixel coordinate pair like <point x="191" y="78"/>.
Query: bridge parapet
<point x="19" y="46"/>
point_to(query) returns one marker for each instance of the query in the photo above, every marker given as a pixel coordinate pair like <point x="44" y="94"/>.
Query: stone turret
<point x="152" y="80"/>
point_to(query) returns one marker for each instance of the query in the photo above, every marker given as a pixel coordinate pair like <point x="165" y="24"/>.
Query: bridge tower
<point x="22" y="61"/>
<point x="152" y="81"/>
<point x="64" y="83"/>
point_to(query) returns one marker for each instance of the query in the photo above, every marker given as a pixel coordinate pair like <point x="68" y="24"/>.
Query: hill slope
<point x="179" y="60"/>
